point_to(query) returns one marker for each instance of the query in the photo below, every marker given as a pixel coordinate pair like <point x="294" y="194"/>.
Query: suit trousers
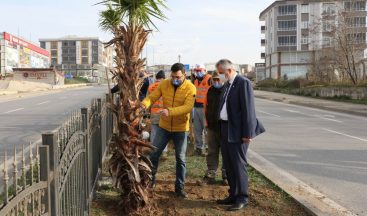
<point x="235" y="162"/>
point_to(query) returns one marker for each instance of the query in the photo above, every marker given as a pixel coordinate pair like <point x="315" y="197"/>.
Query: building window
<point x="53" y="52"/>
<point x="287" y="25"/>
<point x="305" y="40"/>
<point x="84" y="60"/>
<point x="304" y="25"/>
<point x="355" y="6"/>
<point x="356" y="21"/>
<point x="84" y="52"/>
<point x="43" y="44"/>
<point x="326" y="41"/>
<point x="327" y="26"/>
<point x="53" y="61"/>
<point x="357" y="38"/>
<point x="304" y="8"/>
<point x="328" y="9"/>
<point x="287" y="10"/>
<point x="287" y="40"/>
<point x="84" y="44"/>
<point x="54" y="45"/>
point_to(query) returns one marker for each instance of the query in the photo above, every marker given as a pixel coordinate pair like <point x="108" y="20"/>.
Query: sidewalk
<point x="350" y="108"/>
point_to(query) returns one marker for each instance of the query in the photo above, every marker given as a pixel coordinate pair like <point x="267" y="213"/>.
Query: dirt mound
<point x="25" y="86"/>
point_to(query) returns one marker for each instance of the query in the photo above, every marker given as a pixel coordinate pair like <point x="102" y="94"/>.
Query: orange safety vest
<point x="158" y="105"/>
<point x="202" y="88"/>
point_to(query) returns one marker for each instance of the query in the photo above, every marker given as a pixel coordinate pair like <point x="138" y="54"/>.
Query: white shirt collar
<point x="231" y="80"/>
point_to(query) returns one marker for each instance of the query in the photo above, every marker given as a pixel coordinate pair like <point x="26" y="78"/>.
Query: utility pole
<point x="179" y="58"/>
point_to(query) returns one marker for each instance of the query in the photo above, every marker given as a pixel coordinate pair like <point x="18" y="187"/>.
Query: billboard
<point x="22" y="54"/>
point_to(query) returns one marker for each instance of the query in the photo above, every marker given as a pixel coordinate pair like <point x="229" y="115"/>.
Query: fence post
<point x="49" y="139"/>
<point x="44" y="175"/>
<point x="87" y="174"/>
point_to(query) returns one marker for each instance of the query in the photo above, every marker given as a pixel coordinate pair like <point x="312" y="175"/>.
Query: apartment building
<point x="79" y="56"/>
<point x="294" y="31"/>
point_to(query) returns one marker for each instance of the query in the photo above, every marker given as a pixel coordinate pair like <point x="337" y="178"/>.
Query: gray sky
<point x="201" y="31"/>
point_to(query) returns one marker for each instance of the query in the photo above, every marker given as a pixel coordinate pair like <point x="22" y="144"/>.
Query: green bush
<point x="76" y="80"/>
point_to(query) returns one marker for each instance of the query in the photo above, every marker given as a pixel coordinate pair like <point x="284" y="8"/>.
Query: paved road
<point x="23" y="120"/>
<point x="324" y="149"/>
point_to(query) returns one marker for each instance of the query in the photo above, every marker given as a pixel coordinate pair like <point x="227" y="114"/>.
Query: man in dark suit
<point x="239" y="126"/>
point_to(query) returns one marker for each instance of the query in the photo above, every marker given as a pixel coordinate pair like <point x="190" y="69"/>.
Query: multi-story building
<point x="295" y="30"/>
<point x="79" y="56"/>
<point x="16" y="52"/>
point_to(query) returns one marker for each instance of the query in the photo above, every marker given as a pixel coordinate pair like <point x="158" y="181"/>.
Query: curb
<point x="335" y="109"/>
<point x="310" y="199"/>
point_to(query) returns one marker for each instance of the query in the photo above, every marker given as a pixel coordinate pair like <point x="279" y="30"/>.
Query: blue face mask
<point x="200" y="74"/>
<point x="217" y="85"/>
<point x="176" y="82"/>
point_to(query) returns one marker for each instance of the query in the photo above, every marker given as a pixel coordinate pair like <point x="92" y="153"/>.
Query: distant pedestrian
<point x="211" y="107"/>
<point x="239" y="126"/>
<point x="178" y="95"/>
<point x="202" y="84"/>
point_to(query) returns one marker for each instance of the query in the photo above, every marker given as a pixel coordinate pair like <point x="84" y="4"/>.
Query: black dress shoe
<point x="226" y="201"/>
<point x="181" y="194"/>
<point x="238" y="206"/>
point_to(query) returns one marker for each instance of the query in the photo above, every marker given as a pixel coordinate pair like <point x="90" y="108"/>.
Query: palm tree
<point x="130" y="22"/>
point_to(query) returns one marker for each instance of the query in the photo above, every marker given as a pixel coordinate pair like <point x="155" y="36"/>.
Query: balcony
<point x="263" y="29"/>
<point x="262" y="55"/>
<point x="263" y="42"/>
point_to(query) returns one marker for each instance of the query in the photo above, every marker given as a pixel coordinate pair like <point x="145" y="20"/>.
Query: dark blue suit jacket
<point x="242" y="121"/>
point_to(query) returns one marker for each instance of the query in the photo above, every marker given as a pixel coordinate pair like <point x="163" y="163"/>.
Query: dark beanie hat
<point x="160" y="75"/>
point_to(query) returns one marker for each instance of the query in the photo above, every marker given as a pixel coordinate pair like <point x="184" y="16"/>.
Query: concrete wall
<point x="40" y="76"/>
<point x="353" y="92"/>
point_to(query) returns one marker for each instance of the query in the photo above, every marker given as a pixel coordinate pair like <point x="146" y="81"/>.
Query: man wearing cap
<point x="211" y="107"/>
<point x="156" y="108"/>
<point x="202" y="84"/>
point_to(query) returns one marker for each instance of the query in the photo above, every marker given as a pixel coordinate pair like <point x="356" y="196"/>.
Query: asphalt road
<point x="324" y="149"/>
<point x="23" y="120"/>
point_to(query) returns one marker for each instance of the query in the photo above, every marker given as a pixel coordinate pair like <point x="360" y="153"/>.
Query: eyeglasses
<point x="216" y="79"/>
<point x="199" y="70"/>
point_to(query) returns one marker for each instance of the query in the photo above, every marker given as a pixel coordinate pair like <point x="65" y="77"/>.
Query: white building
<point x="288" y="39"/>
<point x="79" y="56"/>
<point x="16" y="52"/>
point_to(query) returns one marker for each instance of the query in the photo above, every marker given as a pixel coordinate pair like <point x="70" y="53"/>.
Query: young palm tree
<point x="130" y="22"/>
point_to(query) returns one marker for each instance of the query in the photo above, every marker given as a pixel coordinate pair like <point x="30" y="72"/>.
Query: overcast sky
<point x="201" y="31"/>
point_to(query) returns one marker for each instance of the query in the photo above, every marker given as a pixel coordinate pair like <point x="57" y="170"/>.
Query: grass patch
<point x="76" y="80"/>
<point x="265" y="198"/>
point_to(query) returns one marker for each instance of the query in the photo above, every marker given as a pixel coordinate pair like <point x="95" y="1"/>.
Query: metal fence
<point x="58" y="176"/>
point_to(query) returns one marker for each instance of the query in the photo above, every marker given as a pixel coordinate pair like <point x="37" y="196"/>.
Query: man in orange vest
<point x="156" y="108"/>
<point x="202" y="83"/>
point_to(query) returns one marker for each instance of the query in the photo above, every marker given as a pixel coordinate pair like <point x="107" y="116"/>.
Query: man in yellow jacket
<point x="178" y="100"/>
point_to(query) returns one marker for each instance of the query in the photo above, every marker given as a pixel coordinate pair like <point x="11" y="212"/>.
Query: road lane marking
<point x="13" y="110"/>
<point x="43" y="102"/>
<point x="339" y="114"/>
<point x="269" y="114"/>
<point x="343" y="134"/>
<point x="292" y="111"/>
<point x="329" y="119"/>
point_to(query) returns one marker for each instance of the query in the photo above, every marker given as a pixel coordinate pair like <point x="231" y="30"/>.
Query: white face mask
<point x="222" y="78"/>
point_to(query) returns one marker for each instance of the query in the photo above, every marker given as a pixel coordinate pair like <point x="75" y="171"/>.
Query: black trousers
<point x="234" y="161"/>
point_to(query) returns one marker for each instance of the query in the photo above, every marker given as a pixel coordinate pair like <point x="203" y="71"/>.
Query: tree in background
<point x="340" y="54"/>
<point x="130" y="22"/>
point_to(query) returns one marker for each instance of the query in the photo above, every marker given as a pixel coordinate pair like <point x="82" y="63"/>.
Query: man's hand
<point x="164" y="112"/>
<point x="246" y="140"/>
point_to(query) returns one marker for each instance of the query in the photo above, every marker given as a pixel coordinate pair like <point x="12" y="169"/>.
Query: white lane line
<point x="13" y="110"/>
<point x="269" y="113"/>
<point x="292" y="111"/>
<point x="329" y="119"/>
<point x="43" y="102"/>
<point x="343" y="134"/>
